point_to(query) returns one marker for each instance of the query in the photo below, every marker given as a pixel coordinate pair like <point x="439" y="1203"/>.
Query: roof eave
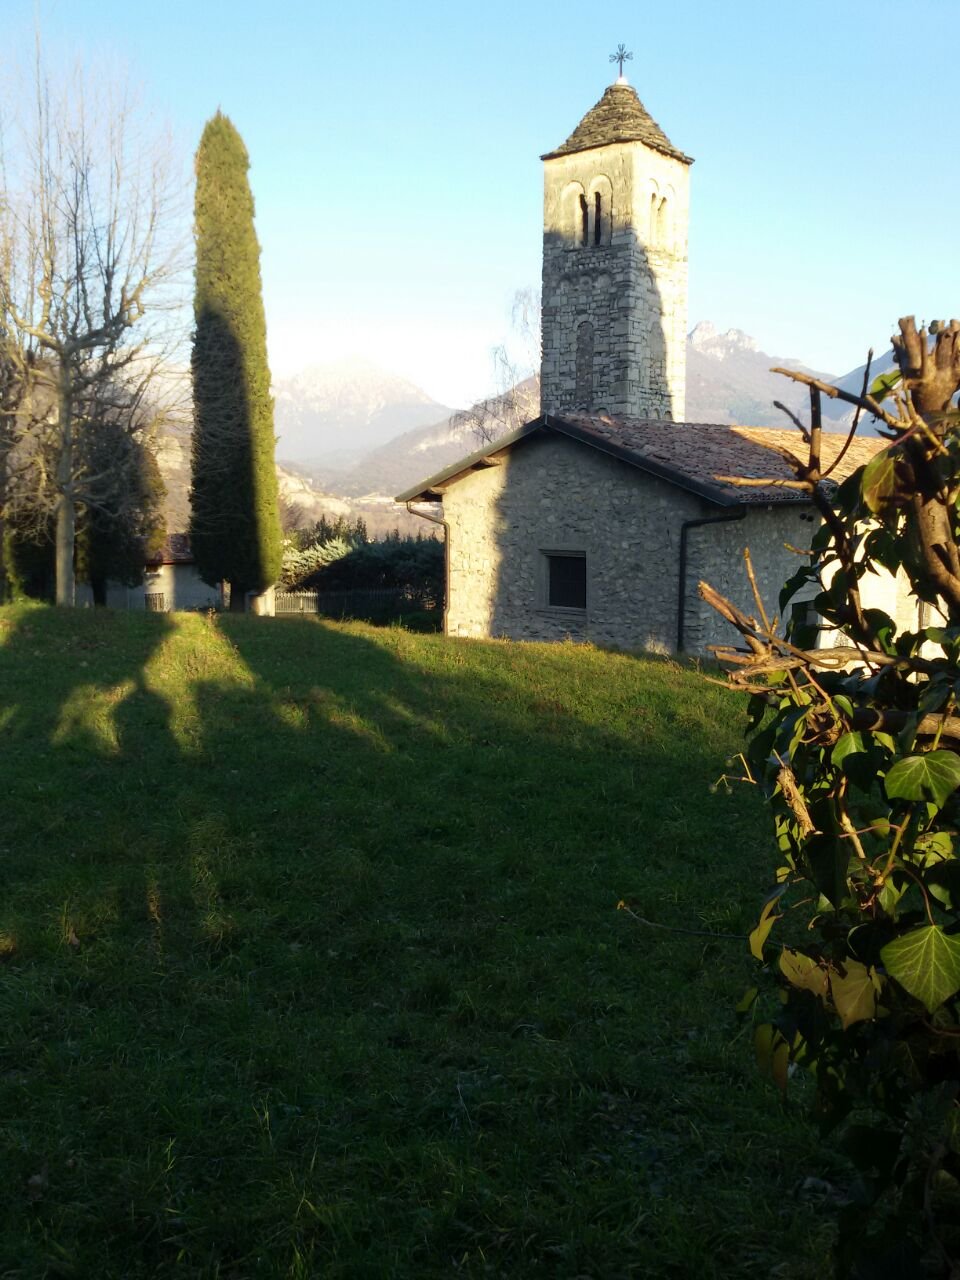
<point x="426" y="490"/>
<point x="672" y="152"/>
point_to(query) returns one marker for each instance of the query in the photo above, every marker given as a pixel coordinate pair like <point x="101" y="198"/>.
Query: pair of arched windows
<point x="588" y="213"/>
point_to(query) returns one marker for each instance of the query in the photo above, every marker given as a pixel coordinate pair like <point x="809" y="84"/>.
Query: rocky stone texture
<point x="615" y="217"/>
<point x="551" y="494"/>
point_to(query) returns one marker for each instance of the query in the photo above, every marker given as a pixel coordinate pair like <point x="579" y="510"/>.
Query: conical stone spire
<point x="619" y="116"/>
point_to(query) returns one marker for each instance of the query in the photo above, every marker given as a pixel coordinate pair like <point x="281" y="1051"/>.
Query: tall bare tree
<point x="89" y="268"/>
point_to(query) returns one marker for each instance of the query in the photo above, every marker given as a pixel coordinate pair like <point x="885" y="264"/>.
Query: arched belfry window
<point x="584" y="391"/>
<point x="601" y="210"/>
<point x="575" y="215"/>
<point x="661" y="212"/>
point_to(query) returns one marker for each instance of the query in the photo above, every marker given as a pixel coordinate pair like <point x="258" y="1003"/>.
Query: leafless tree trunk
<point x="89" y="276"/>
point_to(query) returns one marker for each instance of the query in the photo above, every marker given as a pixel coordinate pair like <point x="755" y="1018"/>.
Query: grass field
<point x="310" y="962"/>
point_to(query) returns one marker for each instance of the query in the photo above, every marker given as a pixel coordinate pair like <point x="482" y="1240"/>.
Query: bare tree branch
<point x="90" y="269"/>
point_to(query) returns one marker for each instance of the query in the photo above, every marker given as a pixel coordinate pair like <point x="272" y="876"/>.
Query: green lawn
<point x="310" y="962"/>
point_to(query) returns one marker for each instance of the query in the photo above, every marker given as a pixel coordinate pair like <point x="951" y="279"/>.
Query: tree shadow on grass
<point x="358" y="994"/>
<point x="71" y="792"/>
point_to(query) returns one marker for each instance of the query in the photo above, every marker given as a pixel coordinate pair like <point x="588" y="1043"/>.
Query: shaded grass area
<point x="310" y="962"/>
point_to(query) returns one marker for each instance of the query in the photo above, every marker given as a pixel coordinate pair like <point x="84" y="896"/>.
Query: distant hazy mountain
<point x="840" y="415"/>
<point x="729" y="380"/>
<point x="173" y="459"/>
<point x="421" y="452"/>
<point x="351" y="435"/>
<point x="330" y="415"/>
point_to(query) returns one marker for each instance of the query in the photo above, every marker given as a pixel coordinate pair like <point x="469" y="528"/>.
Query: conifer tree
<point x="235" y="523"/>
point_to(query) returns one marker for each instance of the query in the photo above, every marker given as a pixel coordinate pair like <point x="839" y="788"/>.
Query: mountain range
<point x="330" y="416"/>
<point x="350" y="434"/>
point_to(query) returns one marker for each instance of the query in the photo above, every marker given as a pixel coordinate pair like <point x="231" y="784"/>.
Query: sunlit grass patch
<point x="86" y="717"/>
<point x="315" y="967"/>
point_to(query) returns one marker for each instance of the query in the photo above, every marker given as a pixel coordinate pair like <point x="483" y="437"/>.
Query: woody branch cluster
<point x="927" y="379"/>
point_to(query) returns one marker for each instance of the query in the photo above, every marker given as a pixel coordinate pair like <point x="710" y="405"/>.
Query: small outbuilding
<point x="171" y="580"/>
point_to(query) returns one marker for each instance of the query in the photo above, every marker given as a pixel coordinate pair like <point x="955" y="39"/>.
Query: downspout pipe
<point x="682" y="586"/>
<point x="446" y="554"/>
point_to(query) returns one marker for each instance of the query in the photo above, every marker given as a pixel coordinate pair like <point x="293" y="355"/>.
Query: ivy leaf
<point x="802" y="971"/>
<point x="881" y="386"/>
<point x="766" y="922"/>
<point x="855" y="992"/>
<point x="938" y="845"/>
<point x="773" y="1054"/>
<point x="827" y="860"/>
<point x="857" y="756"/>
<point x="890" y="895"/>
<point x="933" y="775"/>
<point x="747" y="1000"/>
<point x="943" y="883"/>
<point x="848" y="744"/>
<point x="926" y="962"/>
<point x="879" y="483"/>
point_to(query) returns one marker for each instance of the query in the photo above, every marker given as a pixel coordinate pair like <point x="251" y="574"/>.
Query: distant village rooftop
<point x="175" y="550"/>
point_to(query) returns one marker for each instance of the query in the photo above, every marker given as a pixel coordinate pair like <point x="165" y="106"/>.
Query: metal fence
<point x="350" y="604"/>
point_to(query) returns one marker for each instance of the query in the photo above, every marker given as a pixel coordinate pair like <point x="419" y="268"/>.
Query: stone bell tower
<point x="615" y="213"/>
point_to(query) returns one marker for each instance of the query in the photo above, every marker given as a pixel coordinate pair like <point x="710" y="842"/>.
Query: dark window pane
<point x="568" y="582"/>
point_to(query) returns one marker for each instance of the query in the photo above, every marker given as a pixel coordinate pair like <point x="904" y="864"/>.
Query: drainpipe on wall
<point x="687" y="525"/>
<point x="446" y="554"/>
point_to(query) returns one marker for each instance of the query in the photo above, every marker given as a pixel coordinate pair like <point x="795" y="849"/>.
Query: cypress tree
<point x="235" y="521"/>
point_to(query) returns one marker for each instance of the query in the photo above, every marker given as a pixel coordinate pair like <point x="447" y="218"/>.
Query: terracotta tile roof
<point x="692" y="455"/>
<point x="175" y="550"/>
<point x="700" y="454"/>
<point x="619" y="116"/>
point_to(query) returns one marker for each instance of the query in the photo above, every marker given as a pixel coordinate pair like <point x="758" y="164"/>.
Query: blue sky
<point x="394" y="156"/>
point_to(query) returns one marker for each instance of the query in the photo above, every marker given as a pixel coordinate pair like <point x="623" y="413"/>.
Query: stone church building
<point x="596" y="520"/>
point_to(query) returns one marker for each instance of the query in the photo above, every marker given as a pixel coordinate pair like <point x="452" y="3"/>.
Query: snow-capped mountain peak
<point x="705" y="338"/>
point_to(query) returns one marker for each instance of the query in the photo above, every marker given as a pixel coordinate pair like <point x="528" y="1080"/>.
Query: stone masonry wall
<point x="631" y="288"/>
<point x="551" y="494"/>
<point x="715" y="554"/>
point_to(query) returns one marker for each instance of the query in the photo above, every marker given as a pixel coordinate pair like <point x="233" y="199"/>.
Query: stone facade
<point x="614" y="318"/>
<point x="552" y="495"/>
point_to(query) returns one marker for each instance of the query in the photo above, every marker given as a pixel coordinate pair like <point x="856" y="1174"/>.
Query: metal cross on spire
<point x="621" y="56"/>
